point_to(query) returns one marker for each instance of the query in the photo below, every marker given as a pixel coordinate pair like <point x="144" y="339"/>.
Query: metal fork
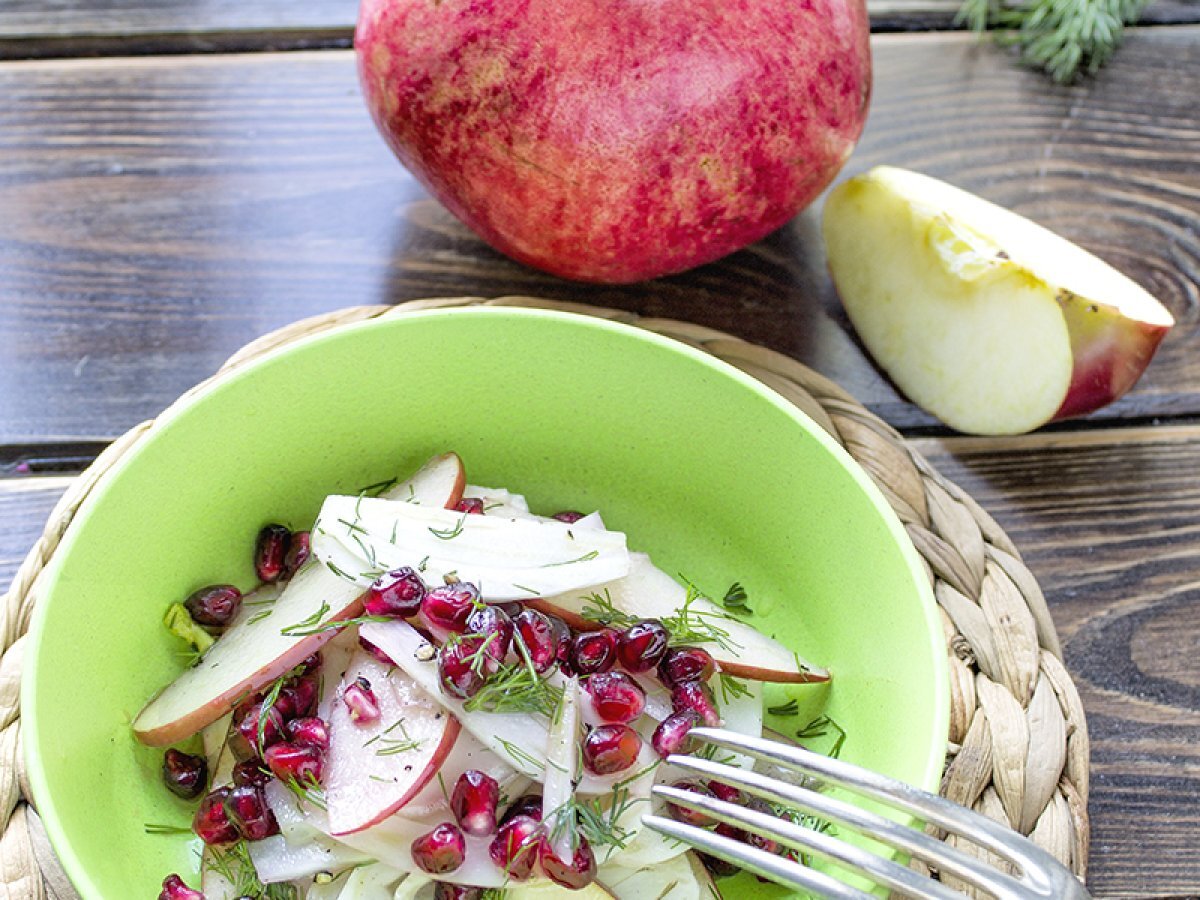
<point x="1040" y="875"/>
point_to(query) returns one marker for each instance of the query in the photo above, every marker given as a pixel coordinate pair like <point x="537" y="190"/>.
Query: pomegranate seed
<point x="395" y="593"/>
<point x="537" y="634"/>
<point x="690" y="816"/>
<point x="474" y="801"/>
<point x="309" y="731"/>
<point x="562" y="633"/>
<point x="250" y="772"/>
<point x="444" y="890"/>
<point x="270" y="550"/>
<point x="441" y="850"/>
<point x="671" y="735"/>
<point x="696" y="696"/>
<point x="211" y="822"/>
<point x="298" y="698"/>
<point x="593" y="651"/>
<point x="361" y="701"/>
<point x="215" y="605"/>
<point x="300" y="763"/>
<point x="450" y="605"/>
<point x="723" y="791"/>
<point x="570" y="516"/>
<point x="463" y="669"/>
<point x="248" y="812"/>
<point x="529" y="805"/>
<point x="514" y="849"/>
<point x="376" y="652"/>
<point x="718" y="867"/>
<point x="184" y="775"/>
<point x="492" y="622"/>
<point x="758" y="840"/>
<point x="610" y="748"/>
<point x="298" y="551"/>
<point x="576" y="874"/>
<point x="680" y="665"/>
<point x="471" y="505"/>
<point x="258" y="730"/>
<point x="642" y="645"/>
<point x="616" y="696"/>
<point x="173" y="888"/>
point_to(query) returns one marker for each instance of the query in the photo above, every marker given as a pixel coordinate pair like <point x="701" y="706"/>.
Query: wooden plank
<point x="36" y="29"/>
<point x="160" y="212"/>
<point x="1109" y="523"/>
<point x="25" y="504"/>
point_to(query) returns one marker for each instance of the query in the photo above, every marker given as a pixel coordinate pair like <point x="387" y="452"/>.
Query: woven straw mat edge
<point x="1018" y="747"/>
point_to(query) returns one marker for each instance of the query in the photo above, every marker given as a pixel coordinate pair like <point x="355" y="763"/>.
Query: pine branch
<point x="1061" y="37"/>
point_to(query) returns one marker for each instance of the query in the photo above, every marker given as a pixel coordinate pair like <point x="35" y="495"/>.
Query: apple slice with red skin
<point x="256" y="648"/>
<point x="374" y="768"/>
<point x="647" y="592"/>
<point x="983" y="318"/>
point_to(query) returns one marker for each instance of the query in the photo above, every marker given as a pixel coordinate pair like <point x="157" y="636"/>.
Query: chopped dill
<point x="353" y="527"/>
<point x="151" y="828"/>
<point x="566" y="562"/>
<point x="790" y="708"/>
<point x="379" y="487"/>
<point x="687" y="626"/>
<point x="338" y="572"/>
<point x="390" y="746"/>
<point x="519" y="755"/>
<point x="735" y="599"/>
<point x="235" y="866"/>
<point x="311" y="626"/>
<point x="447" y="534"/>
<point x="821" y="726"/>
<point x="515" y="687"/>
<point x="731" y="688"/>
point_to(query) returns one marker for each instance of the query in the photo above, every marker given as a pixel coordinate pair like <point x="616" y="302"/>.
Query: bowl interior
<point x="718" y="478"/>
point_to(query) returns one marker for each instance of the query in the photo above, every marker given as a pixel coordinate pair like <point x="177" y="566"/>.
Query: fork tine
<point x="908" y="840"/>
<point x="928" y="807"/>
<point x="878" y="869"/>
<point x="759" y="862"/>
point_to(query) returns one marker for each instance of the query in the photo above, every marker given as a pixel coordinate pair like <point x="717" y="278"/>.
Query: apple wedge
<point x="508" y="558"/>
<point x="373" y="769"/>
<point x="647" y="592"/>
<point x="269" y="638"/>
<point x="986" y="320"/>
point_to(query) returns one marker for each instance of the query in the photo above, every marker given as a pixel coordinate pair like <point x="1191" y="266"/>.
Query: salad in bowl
<point x="436" y="693"/>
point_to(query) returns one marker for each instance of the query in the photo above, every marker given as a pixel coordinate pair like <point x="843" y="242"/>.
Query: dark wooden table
<point x="178" y="177"/>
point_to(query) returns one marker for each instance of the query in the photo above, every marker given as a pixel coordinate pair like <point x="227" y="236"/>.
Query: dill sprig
<point x="731" y="688"/>
<point x="515" y="687"/>
<point x="152" y="828"/>
<point x="820" y="727"/>
<point x="688" y="625"/>
<point x="1060" y="37"/>
<point x="791" y="708"/>
<point x="447" y="534"/>
<point x="736" y="599"/>
<point x="313" y="624"/>
<point x="566" y="562"/>
<point x="235" y="866"/>
<point x="521" y="757"/>
<point x="597" y="819"/>
<point x="390" y="746"/>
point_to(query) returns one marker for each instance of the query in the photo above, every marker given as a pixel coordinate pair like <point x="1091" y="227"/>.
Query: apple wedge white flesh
<point x="508" y="558"/>
<point x="373" y="769"/>
<point x="679" y="878"/>
<point x="468" y="752"/>
<point x="562" y="761"/>
<point x="268" y="639"/>
<point x="647" y="592"/>
<point x="276" y="860"/>
<point x="986" y="320"/>
<point x="518" y="738"/>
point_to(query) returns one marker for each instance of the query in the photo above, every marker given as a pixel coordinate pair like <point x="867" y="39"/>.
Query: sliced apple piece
<point x="468" y="752"/>
<point x="509" y="558"/>
<point x="268" y="639"/>
<point x="647" y="592"/>
<point x="986" y="320"/>
<point x="373" y="769"/>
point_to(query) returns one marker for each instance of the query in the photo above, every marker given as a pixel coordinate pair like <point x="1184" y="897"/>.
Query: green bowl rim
<point x="35" y="772"/>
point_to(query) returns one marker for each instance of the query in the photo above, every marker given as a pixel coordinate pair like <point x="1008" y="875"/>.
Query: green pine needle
<point x="1061" y="37"/>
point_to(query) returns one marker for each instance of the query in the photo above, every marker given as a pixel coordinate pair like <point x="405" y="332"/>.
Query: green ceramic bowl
<point x="715" y="475"/>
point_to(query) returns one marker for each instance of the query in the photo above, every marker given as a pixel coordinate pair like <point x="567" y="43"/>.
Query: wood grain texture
<point x="35" y="29"/>
<point x="158" y="213"/>
<point x="1109" y="522"/>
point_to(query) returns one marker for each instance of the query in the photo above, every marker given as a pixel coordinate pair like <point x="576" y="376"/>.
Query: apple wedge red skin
<point x="442" y="474"/>
<point x="1106" y="368"/>
<point x="613" y="142"/>
<point x="729" y="667"/>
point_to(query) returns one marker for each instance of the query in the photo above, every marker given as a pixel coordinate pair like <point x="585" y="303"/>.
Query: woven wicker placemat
<point x="1018" y="749"/>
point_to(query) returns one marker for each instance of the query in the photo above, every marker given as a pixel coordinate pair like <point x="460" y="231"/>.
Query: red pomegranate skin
<point x="618" y="140"/>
